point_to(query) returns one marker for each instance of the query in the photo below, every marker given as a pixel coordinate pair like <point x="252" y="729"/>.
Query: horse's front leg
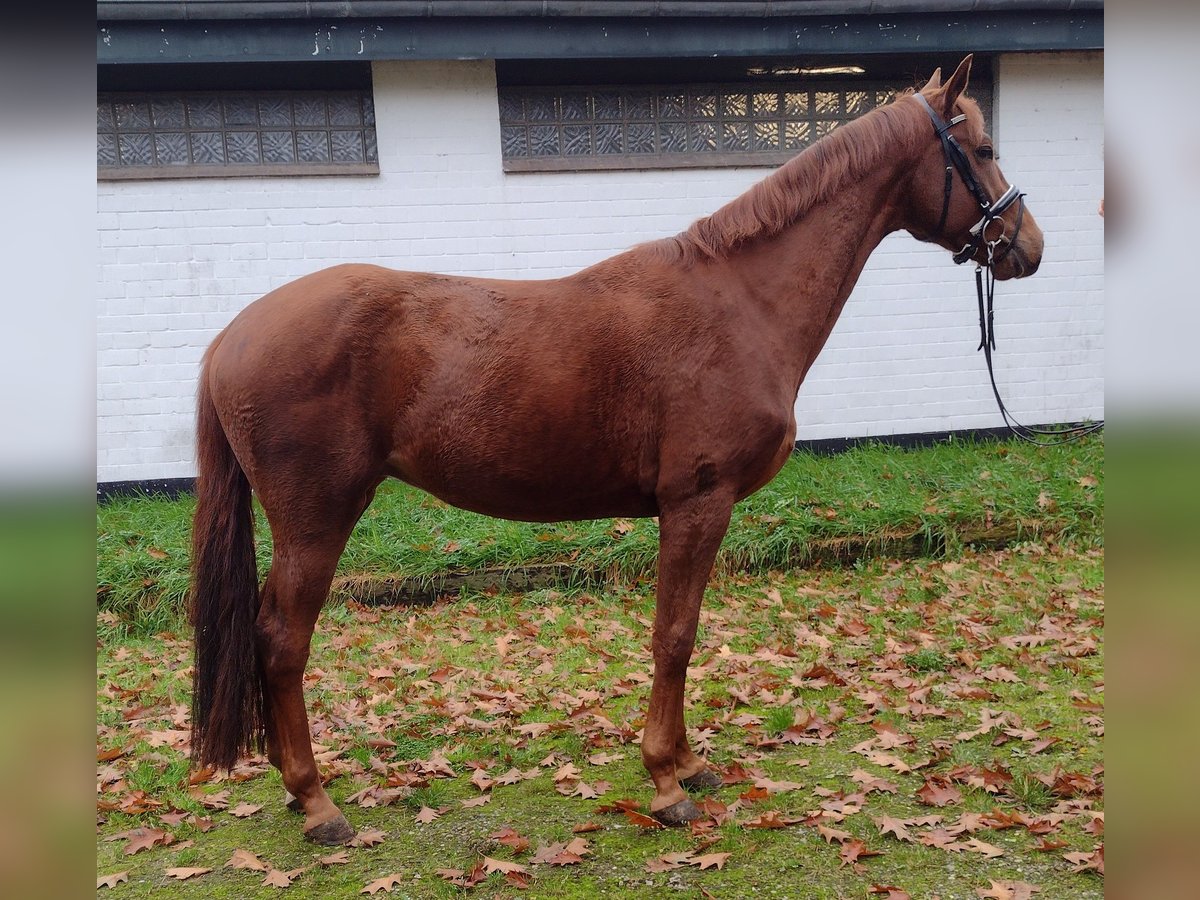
<point x="690" y="533"/>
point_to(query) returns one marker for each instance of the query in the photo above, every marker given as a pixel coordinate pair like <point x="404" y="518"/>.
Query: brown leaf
<point x="244" y="859"/>
<point x="890" y="892"/>
<point x="242" y="810"/>
<point x="144" y="838"/>
<point x="499" y="865"/>
<point x="710" y="860"/>
<point x="387" y="882"/>
<point x="938" y="793"/>
<point x="276" y="878"/>
<point x="510" y="838"/>
<point x="895" y="826"/>
<point x="481" y="800"/>
<point x="107" y="881"/>
<point x="770" y="819"/>
<point x="428" y="814"/>
<point x="368" y="837"/>
<point x="853" y="851"/>
<point x="669" y="861"/>
<point x="183" y="873"/>
<point x="1008" y="890"/>
<point x="1087" y="862"/>
<point x="335" y="859"/>
<point x="585" y="827"/>
<point x="988" y="850"/>
<point x="640" y="820"/>
<point x="833" y="834"/>
<point x="519" y="880"/>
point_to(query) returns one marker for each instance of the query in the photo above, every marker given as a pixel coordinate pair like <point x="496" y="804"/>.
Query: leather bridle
<point x="992" y="210"/>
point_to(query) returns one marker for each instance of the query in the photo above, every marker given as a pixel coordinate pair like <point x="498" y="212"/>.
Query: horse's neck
<point x="803" y="276"/>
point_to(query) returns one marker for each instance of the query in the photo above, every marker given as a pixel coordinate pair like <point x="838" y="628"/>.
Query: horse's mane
<point x="844" y="155"/>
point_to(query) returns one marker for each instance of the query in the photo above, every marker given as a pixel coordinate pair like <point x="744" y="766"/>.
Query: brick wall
<point x="180" y="258"/>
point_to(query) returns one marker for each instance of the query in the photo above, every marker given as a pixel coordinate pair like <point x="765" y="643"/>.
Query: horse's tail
<point x="227" y="687"/>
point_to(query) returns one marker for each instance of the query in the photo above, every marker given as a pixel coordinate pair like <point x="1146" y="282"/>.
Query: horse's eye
<point x="984" y="152"/>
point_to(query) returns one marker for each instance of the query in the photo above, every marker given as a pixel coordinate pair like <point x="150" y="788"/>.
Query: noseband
<point x="956" y="160"/>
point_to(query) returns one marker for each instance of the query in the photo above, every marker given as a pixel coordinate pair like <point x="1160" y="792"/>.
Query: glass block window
<point x="223" y="133"/>
<point x="672" y="126"/>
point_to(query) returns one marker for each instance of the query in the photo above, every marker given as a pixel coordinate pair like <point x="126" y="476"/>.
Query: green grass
<point x="873" y="500"/>
<point x="903" y="639"/>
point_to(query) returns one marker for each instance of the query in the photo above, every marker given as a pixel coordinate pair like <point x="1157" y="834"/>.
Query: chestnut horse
<point x="660" y="382"/>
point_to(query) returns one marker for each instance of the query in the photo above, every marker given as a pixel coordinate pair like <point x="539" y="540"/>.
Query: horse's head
<point x="958" y="197"/>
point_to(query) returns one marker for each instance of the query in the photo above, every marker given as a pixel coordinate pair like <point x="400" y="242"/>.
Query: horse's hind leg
<point x="295" y="590"/>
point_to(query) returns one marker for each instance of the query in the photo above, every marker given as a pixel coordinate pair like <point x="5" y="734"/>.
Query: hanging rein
<point x="984" y="234"/>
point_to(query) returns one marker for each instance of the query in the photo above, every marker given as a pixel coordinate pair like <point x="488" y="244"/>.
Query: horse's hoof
<point x="332" y="833"/>
<point x="292" y="802"/>
<point x="678" y="814"/>
<point x="705" y="778"/>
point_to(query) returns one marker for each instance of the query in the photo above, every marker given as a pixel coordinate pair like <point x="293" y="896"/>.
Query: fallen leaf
<point x="276" y="878"/>
<point x="640" y="820"/>
<point x="428" y="814"/>
<point x="368" y="837"/>
<point x="243" y="810"/>
<point x="335" y="859"/>
<point x="183" y="873"/>
<point x="244" y="859"/>
<point x="144" y="838"/>
<point x="1008" y="890"/>
<point x="107" y="881"/>
<point x="890" y="892"/>
<point x="510" y="838"/>
<point x="853" y="851"/>
<point x="499" y="865"/>
<point x="481" y="800"/>
<point x="387" y="882"/>
<point x="585" y="827"/>
<point x="937" y="793"/>
<point x="710" y="860"/>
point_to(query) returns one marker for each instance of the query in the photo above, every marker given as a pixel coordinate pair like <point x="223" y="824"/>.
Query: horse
<point x="658" y="382"/>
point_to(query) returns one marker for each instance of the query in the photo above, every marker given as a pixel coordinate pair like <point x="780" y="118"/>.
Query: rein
<point x="956" y="160"/>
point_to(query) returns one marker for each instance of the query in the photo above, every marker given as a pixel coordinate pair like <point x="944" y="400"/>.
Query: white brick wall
<point x="180" y="258"/>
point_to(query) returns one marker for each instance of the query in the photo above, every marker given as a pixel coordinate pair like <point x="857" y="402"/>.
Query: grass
<point x="903" y="659"/>
<point x="874" y="500"/>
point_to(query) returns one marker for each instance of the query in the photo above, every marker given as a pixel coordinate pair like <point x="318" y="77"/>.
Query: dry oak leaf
<point x="107" y="881"/>
<point x="585" y="827"/>
<point x="1008" y="890"/>
<point x="481" y="800"/>
<point x="183" y="873"/>
<point x="145" y="838"/>
<point x="387" y="882"/>
<point x="335" y="859"/>
<point x="669" y="861"/>
<point x="890" y="892"/>
<point x="640" y="820"/>
<point x="499" y="865"/>
<point x="276" y="878"/>
<point x="242" y="810"/>
<point x="977" y="846"/>
<point x="934" y="793"/>
<point x="833" y="834"/>
<point x="511" y="838"/>
<point x="368" y="837"/>
<point x="711" y="859"/>
<point x="428" y="814"/>
<point x="1087" y="862"/>
<point x="244" y="859"/>
<point x="770" y="819"/>
<point x="895" y="826"/>
<point x="853" y="851"/>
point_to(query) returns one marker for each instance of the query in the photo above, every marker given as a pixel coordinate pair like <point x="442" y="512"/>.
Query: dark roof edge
<point x="209" y="10"/>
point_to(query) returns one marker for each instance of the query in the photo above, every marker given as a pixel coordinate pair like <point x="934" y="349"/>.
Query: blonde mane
<point x="844" y="155"/>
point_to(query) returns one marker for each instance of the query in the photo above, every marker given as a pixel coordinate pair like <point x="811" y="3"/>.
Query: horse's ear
<point x="935" y="80"/>
<point x="956" y="85"/>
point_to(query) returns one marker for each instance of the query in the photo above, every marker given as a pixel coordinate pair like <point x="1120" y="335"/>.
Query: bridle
<point x="956" y="160"/>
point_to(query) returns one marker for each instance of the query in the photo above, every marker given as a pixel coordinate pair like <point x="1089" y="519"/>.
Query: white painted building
<point x="181" y="256"/>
